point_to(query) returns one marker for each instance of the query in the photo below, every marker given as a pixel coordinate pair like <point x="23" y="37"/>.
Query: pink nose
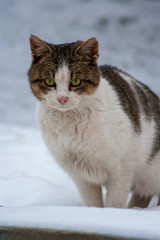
<point x="63" y="99"/>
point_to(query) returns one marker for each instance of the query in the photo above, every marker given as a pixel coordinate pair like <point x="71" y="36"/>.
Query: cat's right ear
<point x="38" y="47"/>
<point x="89" y="48"/>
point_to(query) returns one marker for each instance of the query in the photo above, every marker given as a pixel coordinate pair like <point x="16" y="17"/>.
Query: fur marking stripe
<point x="125" y="93"/>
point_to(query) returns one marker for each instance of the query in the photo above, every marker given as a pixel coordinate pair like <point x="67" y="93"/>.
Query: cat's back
<point x="135" y="98"/>
<point x="126" y="86"/>
<point x="140" y="104"/>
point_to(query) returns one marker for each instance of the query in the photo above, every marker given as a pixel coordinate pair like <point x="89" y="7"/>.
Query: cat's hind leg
<point x="139" y="201"/>
<point x="158" y="201"/>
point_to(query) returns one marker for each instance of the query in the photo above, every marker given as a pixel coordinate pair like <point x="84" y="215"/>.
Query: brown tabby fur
<point x="51" y="57"/>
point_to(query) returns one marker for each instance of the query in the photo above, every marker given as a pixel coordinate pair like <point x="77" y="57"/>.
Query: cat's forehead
<point x="62" y="73"/>
<point x="65" y="50"/>
<point x="64" y="60"/>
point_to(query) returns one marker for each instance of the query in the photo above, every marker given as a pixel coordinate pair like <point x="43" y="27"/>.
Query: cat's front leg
<point x="91" y="194"/>
<point x="118" y="189"/>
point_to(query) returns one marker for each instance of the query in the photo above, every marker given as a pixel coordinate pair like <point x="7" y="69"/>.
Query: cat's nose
<point x="62" y="99"/>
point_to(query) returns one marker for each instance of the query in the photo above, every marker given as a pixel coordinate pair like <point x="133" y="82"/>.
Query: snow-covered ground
<point x="34" y="191"/>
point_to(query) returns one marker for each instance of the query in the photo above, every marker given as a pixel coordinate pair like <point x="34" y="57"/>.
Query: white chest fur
<point x="87" y="141"/>
<point x="97" y="144"/>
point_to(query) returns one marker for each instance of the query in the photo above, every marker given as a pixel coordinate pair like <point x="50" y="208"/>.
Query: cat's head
<point x="64" y="75"/>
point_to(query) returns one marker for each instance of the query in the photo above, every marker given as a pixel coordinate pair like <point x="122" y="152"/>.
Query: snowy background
<point x="32" y="186"/>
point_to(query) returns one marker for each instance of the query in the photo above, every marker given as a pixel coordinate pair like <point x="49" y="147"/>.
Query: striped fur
<point x="136" y="99"/>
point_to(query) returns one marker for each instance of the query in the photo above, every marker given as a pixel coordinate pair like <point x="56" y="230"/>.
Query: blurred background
<point x="128" y="32"/>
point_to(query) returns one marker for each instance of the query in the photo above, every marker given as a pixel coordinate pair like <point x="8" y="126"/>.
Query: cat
<point x="101" y="125"/>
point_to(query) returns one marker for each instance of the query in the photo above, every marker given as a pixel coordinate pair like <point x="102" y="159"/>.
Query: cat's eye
<point x="49" y="82"/>
<point x="75" y="82"/>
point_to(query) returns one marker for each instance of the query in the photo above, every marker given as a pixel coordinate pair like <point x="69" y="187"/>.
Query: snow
<point x="28" y="174"/>
<point x="127" y="223"/>
<point x="34" y="191"/>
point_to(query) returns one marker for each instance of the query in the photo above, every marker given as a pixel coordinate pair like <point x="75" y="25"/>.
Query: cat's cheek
<point x="75" y="98"/>
<point x="38" y="93"/>
<point x="49" y="98"/>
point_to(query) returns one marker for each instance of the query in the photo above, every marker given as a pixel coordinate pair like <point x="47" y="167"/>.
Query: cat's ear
<point x="89" y="48"/>
<point x="38" y="46"/>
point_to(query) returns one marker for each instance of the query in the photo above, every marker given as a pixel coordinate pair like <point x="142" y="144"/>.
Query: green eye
<point x="49" y="82"/>
<point x="75" y="82"/>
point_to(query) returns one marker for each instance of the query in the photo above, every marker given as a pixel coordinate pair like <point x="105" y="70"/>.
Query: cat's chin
<point x="64" y="108"/>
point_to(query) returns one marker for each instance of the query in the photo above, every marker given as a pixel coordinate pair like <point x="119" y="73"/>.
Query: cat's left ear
<point x="89" y="48"/>
<point x="38" y="46"/>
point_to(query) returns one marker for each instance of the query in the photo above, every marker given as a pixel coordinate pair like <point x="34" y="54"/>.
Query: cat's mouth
<point x="63" y="103"/>
<point x="64" y="107"/>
